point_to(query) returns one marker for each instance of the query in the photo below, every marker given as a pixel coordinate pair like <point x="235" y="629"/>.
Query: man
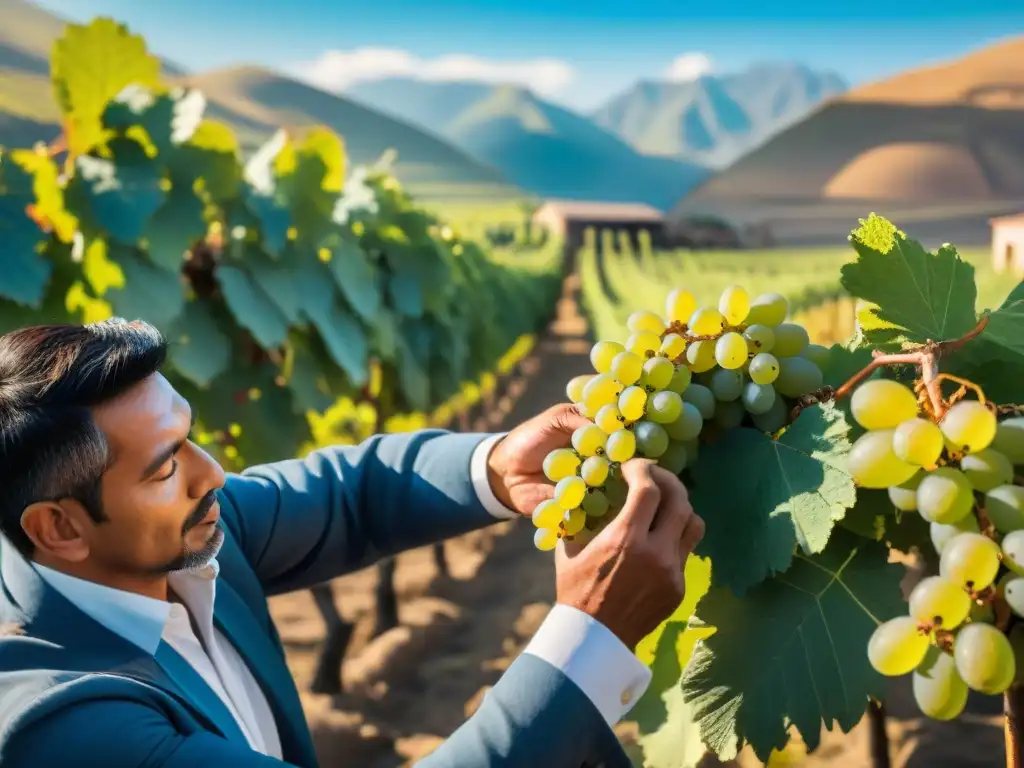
<point x="135" y="574"/>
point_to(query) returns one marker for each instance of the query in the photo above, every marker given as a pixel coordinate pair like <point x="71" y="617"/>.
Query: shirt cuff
<point x="590" y="655"/>
<point x="482" y="483"/>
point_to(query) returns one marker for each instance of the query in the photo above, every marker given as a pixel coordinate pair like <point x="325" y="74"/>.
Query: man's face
<point x="158" y="493"/>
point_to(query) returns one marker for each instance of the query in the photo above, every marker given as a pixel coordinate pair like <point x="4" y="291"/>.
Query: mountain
<point x="255" y="102"/>
<point x="715" y="119"/>
<point x="941" y="148"/>
<point x="547" y="149"/>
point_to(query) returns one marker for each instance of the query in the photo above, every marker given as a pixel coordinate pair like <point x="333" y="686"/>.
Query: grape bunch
<point x="957" y="472"/>
<point x="674" y="383"/>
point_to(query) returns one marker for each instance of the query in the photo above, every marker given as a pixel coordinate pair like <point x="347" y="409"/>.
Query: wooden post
<point x="1013" y="725"/>
<point x="879" y="737"/>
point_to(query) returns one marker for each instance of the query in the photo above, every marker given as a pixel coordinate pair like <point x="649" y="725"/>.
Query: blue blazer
<point x="76" y="695"/>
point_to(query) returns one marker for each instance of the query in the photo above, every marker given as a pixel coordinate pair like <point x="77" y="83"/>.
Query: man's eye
<point x="169" y="475"/>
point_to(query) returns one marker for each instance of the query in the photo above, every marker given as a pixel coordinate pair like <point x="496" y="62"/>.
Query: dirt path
<point x="410" y="688"/>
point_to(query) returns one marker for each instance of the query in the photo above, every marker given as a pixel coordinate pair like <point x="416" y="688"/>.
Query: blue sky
<point x="578" y="52"/>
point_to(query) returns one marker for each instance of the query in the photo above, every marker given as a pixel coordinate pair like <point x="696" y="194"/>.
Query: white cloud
<point x="688" y="66"/>
<point x="337" y="70"/>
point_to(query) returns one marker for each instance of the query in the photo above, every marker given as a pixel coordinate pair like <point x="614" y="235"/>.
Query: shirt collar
<point x="138" y="619"/>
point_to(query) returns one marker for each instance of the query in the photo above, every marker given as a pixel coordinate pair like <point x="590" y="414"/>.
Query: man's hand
<point x="630" y="575"/>
<point x="516" y="465"/>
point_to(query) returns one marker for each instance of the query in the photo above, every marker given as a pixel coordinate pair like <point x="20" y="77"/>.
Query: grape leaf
<point x="793" y="491"/>
<point x="47" y="189"/>
<point x="212" y="156"/>
<point x="406" y="297"/>
<point x="302" y="371"/>
<point x="995" y="359"/>
<point x="412" y="376"/>
<point x="278" y="281"/>
<point x="174" y="228"/>
<point x="928" y="296"/>
<point x="355" y="276"/>
<point x="90" y="65"/>
<point x="25" y="273"/>
<point x="252" y="307"/>
<point x="121" y="197"/>
<point x="1004" y="333"/>
<point x="263" y="197"/>
<point x="170" y="119"/>
<point x="197" y="347"/>
<point x="147" y="292"/>
<point x="345" y="340"/>
<point x="793" y="650"/>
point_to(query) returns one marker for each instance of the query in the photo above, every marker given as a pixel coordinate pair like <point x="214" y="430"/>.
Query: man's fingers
<point x="674" y="512"/>
<point x="693" y="532"/>
<point x="566" y="418"/>
<point x="643" y="496"/>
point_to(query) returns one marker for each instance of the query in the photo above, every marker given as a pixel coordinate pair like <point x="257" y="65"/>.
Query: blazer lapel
<point x="235" y="619"/>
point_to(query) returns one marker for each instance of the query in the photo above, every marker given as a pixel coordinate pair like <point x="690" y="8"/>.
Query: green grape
<point x="621" y="446"/>
<point x="1005" y="508"/>
<point x="681" y="378"/>
<point x="1013" y="551"/>
<point x="632" y="402"/>
<point x="872" y="463"/>
<point x="817" y="354"/>
<point x="790" y="339"/>
<point x="706" y="322"/>
<point x="643" y="344"/>
<point x="595" y="503"/>
<point x="687" y="426"/>
<point x="939" y="691"/>
<point x="760" y="338"/>
<point x="659" y="372"/>
<point x="938" y="601"/>
<point x="969" y="426"/>
<point x="984" y="658"/>
<point x="664" y="407"/>
<point x="970" y="559"/>
<point x="547" y="514"/>
<point x="797" y="376"/>
<point x="944" y="496"/>
<point x="561" y="462"/>
<point x="615" y="489"/>
<point x="651" y="439"/>
<point x="764" y="368"/>
<point x="573" y="521"/>
<point x="589" y="439"/>
<point x="1009" y="439"/>
<point x="941" y="534"/>
<point x="731" y="351"/>
<point x="897" y="646"/>
<point x="758" y="398"/>
<point x="983" y="612"/>
<point x="701" y="356"/>
<point x="569" y="492"/>
<point x="610" y="419"/>
<point x="726" y="385"/>
<point x="774" y="419"/>
<point x="601" y="390"/>
<point x="574" y="389"/>
<point x="680" y="306"/>
<point x="882" y="404"/>
<point x="768" y="309"/>
<point x="627" y="367"/>
<point x="594" y="471"/>
<point x="987" y="469"/>
<point x="672" y="346"/>
<point x="1013" y="593"/>
<point x="734" y="304"/>
<point x="645" y="320"/>
<point x="602" y="354"/>
<point x="674" y="458"/>
<point x="702" y="397"/>
<point x="545" y="539"/>
<point x="904" y="495"/>
<point x="730" y="414"/>
<point x="918" y="441"/>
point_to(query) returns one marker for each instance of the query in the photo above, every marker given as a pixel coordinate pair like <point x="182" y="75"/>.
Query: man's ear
<point x="57" y="528"/>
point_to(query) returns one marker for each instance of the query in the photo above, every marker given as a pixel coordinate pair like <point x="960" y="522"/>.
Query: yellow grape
<point x="882" y="404"/>
<point x="918" y="441"/>
<point x="632" y="402"/>
<point x="940" y="602"/>
<point x="576" y="386"/>
<point x="764" y="368"/>
<point x="768" y="309"/>
<point x="970" y="559"/>
<point x="601" y="390"/>
<point x="790" y="340"/>
<point x="560" y="463"/>
<point x="609" y="418"/>
<point x="944" y="495"/>
<point x="701" y="356"/>
<point x="731" y="351"/>
<point x="589" y="439"/>
<point x="939" y="691"/>
<point x="627" y="367"/>
<point x="573" y="521"/>
<point x="602" y="354"/>
<point x="595" y="471"/>
<point x="987" y="469"/>
<point x="969" y="426"/>
<point x="644" y="343"/>
<point x="659" y="372"/>
<point x="569" y="492"/>
<point x="734" y="304"/>
<point x="672" y="346"/>
<point x="897" y="646"/>
<point x="984" y="658"/>
<point x="547" y="514"/>
<point x="706" y="322"/>
<point x="621" y="446"/>
<point x="760" y="338"/>
<point x="645" y="320"/>
<point x="680" y="305"/>
<point x="545" y="539"/>
<point x="872" y="463"/>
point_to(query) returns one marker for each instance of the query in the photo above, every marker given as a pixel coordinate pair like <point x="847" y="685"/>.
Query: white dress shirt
<point x="583" y="649"/>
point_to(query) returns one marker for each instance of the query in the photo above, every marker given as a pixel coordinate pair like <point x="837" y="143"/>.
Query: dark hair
<point x="50" y="377"/>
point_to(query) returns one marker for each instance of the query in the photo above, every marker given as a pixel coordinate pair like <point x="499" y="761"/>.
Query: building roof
<point x="1013" y="218"/>
<point x="598" y="211"/>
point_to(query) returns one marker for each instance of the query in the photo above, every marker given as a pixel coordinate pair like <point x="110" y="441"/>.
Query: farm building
<point x="1008" y="243"/>
<point x="569" y="219"/>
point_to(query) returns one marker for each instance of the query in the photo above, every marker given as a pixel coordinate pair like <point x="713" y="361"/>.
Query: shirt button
<point x="627" y="696"/>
